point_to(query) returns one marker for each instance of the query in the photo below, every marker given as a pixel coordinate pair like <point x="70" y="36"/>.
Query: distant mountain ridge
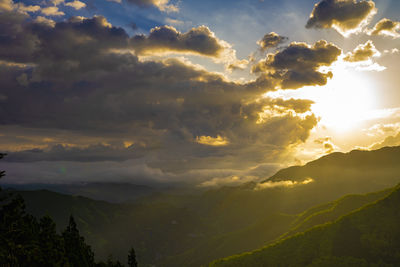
<point x="220" y="222"/>
<point x="340" y="174"/>
<point x="365" y="160"/>
<point x="110" y="192"/>
<point x="369" y="236"/>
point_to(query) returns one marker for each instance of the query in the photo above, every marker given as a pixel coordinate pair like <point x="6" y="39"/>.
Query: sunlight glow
<point x="344" y="103"/>
<point x="284" y="183"/>
<point x="212" y="141"/>
<point x="346" y="100"/>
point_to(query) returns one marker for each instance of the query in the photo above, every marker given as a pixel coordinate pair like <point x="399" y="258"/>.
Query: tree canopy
<point x="27" y="241"/>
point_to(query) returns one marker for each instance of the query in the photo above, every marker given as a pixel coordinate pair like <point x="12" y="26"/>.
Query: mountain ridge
<point x="386" y="155"/>
<point x="365" y="236"/>
<point x="212" y="224"/>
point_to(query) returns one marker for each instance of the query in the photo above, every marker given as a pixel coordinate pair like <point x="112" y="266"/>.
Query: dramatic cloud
<point x="346" y="16"/>
<point x="362" y="57"/>
<point x="386" y="27"/>
<point x="82" y="94"/>
<point x="299" y="64"/>
<point x="166" y="39"/>
<point x="363" y="52"/>
<point x="271" y="40"/>
<point x="17" y="44"/>
<point x="162" y="5"/>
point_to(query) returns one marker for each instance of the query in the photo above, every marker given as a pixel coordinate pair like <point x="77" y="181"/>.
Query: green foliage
<point x="332" y="211"/>
<point x="216" y="224"/>
<point x="367" y="237"/>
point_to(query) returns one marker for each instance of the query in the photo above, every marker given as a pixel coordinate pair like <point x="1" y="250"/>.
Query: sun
<point x="344" y="103"/>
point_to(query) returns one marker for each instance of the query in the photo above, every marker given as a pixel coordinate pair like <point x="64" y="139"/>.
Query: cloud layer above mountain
<point x="82" y="77"/>
<point x="92" y="94"/>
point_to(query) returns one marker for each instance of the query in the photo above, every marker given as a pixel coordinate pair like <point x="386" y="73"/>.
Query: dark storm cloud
<point x="271" y="40"/>
<point x="75" y="39"/>
<point x="363" y="52"/>
<point x="298" y="64"/>
<point x="74" y="76"/>
<point x="16" y="43"/>
<point x="81" y="37"/>
<point x="346" y="16"/>
<point x="198" y="40"/>
<point x="386" y="27"/>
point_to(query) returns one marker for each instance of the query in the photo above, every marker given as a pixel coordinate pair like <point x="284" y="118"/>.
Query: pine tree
<point x="132" y="258"/>
<point x="26" y="242"/>
<point x="18" y="231"/>
<point x="79" y="254"/>
<point x="51" y="244"/>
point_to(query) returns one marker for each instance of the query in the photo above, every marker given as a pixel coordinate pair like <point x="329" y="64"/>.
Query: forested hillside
<point x="223" y="221"/>
<point x="369" y="236"/>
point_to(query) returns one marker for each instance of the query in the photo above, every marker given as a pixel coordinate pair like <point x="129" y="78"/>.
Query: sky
<point x="203" y="93"/>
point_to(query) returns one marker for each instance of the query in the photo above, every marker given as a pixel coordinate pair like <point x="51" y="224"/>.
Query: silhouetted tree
<point x="26" y="242"/>
<point x="51" y="244"/>
<point x="132" y="258"/>
<point x="18" y="232"/>
<point x="79" y="254"/>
